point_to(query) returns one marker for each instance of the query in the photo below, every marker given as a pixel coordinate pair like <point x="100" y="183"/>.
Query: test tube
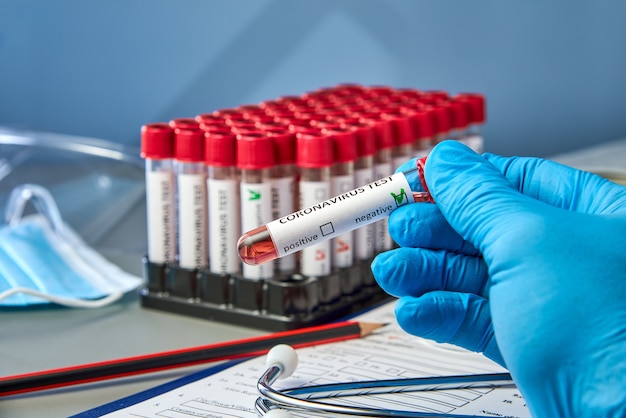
<point x="382" y="167"/>
<point x="314" y="157"/>
<point x="402" y="133"/>
<point x="475" y="106"/>
<point x="363" y="174"/>
<point x="342" y="181"/>
<point x="458" y="119"/>
<point x="191" y="197"/>
<point x="223" y="202"/>
<point x="255" y="157"/>
<point x="157" y="148"/>
<point x="304" y="229"/>
<point x="440" y="119"/>
<point x="283" y="184"/>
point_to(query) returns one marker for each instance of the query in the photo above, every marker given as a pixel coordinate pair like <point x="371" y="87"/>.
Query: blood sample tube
<point x="283" y="184"/>
<point x="342" y="181"/>
<point x="363" y="174"/>
<point x="255" y="158"/>
<point x="223" y="202"/>
<point x="314" y="158"/>
<point x="458" y="119"/>
<point x="422" y="130"/>
<point x="475" y="105"/>
<point x="304" y="229"/>
<point x="157" y="148"/>
<point x="191" y="197"/>
<point x="440" y="118"/>
<point x="401" y="125"/>
<point x="382" y="167"/>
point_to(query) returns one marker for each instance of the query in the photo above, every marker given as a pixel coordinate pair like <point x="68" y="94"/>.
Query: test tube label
<point x="192" y="231"/>
<point x="161" y="216"/>
<point x="329" y="218"/>
<point x="314" y="260"/>
<point x="256" y="210"/>
<point x="364" y="237"/>
<point x="342" y="245"/>
<point x="224" y="219"/>
<point x="282" y="204"/>
<point x="383" y="241"/>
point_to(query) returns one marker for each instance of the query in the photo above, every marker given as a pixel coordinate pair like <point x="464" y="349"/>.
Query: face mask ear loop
<point x="69" y="302"/>
<point x="41" y="199"/>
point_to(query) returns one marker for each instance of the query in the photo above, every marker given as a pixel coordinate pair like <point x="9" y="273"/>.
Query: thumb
<point x="473" y="195"/>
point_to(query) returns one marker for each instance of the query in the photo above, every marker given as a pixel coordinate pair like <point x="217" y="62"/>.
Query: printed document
<point x="388" y="353"/>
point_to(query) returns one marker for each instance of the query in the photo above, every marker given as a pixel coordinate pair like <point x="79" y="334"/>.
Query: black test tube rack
<point x="281" y="303"/>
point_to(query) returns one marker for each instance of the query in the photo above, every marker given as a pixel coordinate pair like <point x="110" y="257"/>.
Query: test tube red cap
<point x="382" y="129"/>
<point x="435" y="94"/>
<point x="365" y="136"/>
<point x="184" y="123"/>
<point x="477" y="108"/>
<point x="314" y="150"/>
<point x="255" y="151"/>
<point x="401" y="125"/>
<point x="422" y="123"/>
<point x="229" y="114"/>
<point x="284" y="144"/>
<point x="440" y="116"/>
<point x="458" y="114"/>
<point x="189" y="144"/>
<point x="344" y="143"/>
<point x="209" y="119"/>
<point x="157" y="141"/>
<point x="219" y="149"/>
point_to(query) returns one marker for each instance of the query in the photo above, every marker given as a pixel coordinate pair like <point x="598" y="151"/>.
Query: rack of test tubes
<point x="216" y="176"/>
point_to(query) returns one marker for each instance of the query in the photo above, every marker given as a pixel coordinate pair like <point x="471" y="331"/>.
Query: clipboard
<point x="229" y="390"/>
<point x="155" y="391"/>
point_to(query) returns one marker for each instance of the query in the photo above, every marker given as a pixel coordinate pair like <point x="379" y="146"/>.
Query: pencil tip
<point x="369" y="327"/>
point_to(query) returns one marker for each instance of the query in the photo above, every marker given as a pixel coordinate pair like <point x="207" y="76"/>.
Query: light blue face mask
<point x="43" y="260"/>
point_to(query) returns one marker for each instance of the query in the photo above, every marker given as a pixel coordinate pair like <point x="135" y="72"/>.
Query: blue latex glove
<point x="524" y="260"/>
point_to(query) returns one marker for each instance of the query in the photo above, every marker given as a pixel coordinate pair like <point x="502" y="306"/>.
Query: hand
<point x="524" y="260"/>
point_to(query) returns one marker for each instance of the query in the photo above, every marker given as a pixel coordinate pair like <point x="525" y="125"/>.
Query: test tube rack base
<point x="285" y="302"/>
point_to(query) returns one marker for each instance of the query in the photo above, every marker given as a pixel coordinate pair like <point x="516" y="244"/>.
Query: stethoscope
<point x="282" y="361"/>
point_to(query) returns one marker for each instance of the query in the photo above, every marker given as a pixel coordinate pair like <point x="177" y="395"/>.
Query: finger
<point x="447" y="317"/>
<point x="415" y="271"/>
<point x="474" y="196"/>
<point x="561" y="186"/>
<point x="423" y="225"/>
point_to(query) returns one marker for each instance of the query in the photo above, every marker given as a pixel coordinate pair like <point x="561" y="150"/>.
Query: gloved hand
<point x="524" y="260"/>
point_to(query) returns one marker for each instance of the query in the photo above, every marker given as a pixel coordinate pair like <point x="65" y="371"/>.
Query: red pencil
<point x="92" y="372"/>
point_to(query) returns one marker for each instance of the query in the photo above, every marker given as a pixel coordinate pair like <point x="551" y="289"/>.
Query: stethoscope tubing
<point x="303" y="399"/>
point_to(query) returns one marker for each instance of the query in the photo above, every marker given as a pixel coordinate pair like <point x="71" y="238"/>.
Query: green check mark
<point x="399" y="198"/>
<point x="254" y="195"/>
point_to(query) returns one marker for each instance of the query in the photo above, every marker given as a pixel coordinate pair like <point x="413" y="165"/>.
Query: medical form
<point x="387" y="354"/>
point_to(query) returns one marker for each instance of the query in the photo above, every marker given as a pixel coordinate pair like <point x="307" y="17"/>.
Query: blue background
<point x="554" y="72"/>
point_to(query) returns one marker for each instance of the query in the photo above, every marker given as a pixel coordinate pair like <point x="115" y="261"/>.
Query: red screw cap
<point x="344" y="143"/>
<point x="284" y="145"/>
<point x="184" y="123"/>
<point x="382" y="129"/>
<point x="189" y="144"/>
<point x="401" y="124"/>
<point x="219" y="149"/>
<point x="314" y="150"/>
<point x="477" y="110"/>
<point x="157" y="141"/>
<point x="365" y="136"/>
<point x="255" y="151"/>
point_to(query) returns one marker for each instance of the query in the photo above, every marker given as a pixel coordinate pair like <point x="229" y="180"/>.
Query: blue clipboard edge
<point x="155" y="391"/>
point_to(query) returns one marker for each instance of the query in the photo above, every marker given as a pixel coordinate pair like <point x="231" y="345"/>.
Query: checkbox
<point x="327" y="229"/>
